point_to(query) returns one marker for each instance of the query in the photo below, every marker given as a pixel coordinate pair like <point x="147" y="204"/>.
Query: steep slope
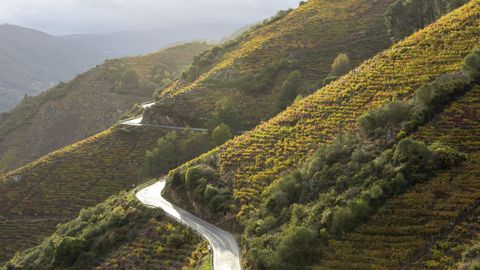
<point x="32" y="61"/>
<point x="402" y="233"/>
<point x="249" y="163"/>
<point x="252" y="69"/>
<point x="119" y="233"/>
<point x="90" y="103"/>
<point x="55" y="188"/>
<point x="429" y="226"/>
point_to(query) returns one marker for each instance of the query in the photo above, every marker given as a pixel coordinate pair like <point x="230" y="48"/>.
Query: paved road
<point x="226" y="253"/>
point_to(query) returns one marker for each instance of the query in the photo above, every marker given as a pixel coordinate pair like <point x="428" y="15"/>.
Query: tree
<point x="68" y="250"/>
<point x="174" y="148"/>
<point x="193" y="144"/>
<point x="348" y="217"/>
<point x="472" y="65"/>
<point x="291" y="88"/>
<point x="341" y="65"/>
<point x="225" y="112"/>
<point x="164" y="156"/>
<point x="297" y="248"/>
<point x="406" y="16"/>
<point x="221" y="134"/>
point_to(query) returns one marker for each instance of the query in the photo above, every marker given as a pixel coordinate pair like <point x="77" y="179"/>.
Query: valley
<point x="336" y="135"/>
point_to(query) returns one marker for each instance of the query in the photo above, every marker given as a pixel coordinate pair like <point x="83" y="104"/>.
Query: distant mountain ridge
<point x="88" y="104"/>
<point x="32" y="61"/>
<point x="132" y="43"/>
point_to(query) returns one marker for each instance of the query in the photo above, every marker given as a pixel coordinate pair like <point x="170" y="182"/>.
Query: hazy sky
<point x="99" y="16"/>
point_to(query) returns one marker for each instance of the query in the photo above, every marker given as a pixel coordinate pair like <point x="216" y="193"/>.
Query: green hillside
<point x="88" y="104"/>
<point x="66" y="176"/>
<point x="249" y="164"/>
<point x="432" y="224"/>
<point x="55" y="188"/>
<point x="252" y="161"/>
<point x="242" y="175"/>
<point x="119" y="233"/>
<point x="252" y="68"/>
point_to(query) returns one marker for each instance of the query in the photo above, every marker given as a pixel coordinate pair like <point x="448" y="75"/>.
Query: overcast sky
<point x="100" y="16"/>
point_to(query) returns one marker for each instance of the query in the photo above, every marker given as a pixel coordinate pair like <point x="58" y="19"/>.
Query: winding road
<point x="226" y="253"/>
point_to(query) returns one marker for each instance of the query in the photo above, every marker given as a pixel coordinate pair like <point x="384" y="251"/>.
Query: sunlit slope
<point x="88" y="104"/>
<point x="55" y="188"/>
<point x="119" y="233"/>
<point x="308" y="39"/>
<point x="252" y="161"/>
<point x="431" y="225"/>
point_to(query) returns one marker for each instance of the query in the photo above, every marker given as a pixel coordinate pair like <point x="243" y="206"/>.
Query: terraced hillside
<point x="119" y="233"/>
<point x="55" y="188"/>
<point x="253" y="68"/>
<point x="431" y="225"/>
<point x="251" y="162"/>
<point x="87" y="105"/>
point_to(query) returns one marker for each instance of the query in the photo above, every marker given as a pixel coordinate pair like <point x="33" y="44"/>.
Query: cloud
<point x="99" y="16"/>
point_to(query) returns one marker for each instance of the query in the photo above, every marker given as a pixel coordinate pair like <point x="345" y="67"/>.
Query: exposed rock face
<point x="163" y="114"/>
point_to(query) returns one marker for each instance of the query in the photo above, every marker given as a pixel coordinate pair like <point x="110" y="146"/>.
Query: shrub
<point x="329" y="79"/>
<point x="217" y="203"/>
<point x="210" y="192"/>
<point x="445" y="156"/>
<point x="67" y="251"/>
<point x="175" y="239"/>
<point x="225" y="112"/>
<point x="177" y="179"/>
<point x="341" y="65"/>
<point x="348" y="217"/>
<point x="192" y="144"/>
<point x="409" y="151"/>
<point x="367" y="123"/>
<point x="195" y="173"/>
<point x="472" y="253"/>
<point x="164" y="156"/>
<point x="221" y="134"/>
<point x="389" y="115"/>
<point x="201" y="63"/>
<point x="130" y="77"/>
<point x="172" y="149"/>
<point x="472" y="65"/>
<point x="475" y="265"/>
<point x="297" y="248"/>
<point x="291" y="88"/>
<point x="276" y="202"/>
